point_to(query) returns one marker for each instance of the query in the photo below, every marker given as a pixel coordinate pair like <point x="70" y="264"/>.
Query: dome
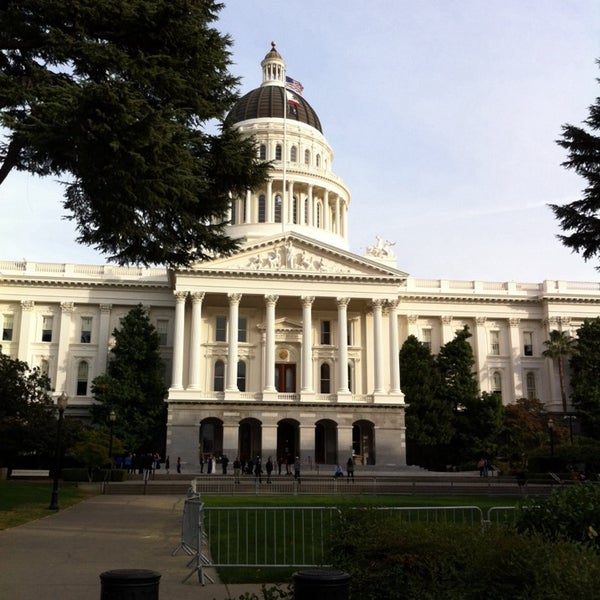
<point x="268" y="102"/>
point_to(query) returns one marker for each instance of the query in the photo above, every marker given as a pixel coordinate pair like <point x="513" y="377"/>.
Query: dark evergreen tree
<point x="585" y="382"/>
<point x="134" y="385"/>
<point x="27" y="424"/>
<point x="429" y="424"/>
<point x="458" y="388"/>
<point x="580" y="220"/>
<point x="117" y="98"/>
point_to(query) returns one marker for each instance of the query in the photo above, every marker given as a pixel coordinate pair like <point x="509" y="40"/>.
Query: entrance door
<point x="285" y="378"/>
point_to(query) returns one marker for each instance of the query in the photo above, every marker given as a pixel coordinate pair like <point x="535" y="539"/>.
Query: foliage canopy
<point x="116" y="98"/>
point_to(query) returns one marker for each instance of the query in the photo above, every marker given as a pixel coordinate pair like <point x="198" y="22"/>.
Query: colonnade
<point x="382" y="361"/>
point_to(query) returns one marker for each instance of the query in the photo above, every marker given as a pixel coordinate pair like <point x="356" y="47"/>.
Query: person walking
<point x="179" y="464"/>
<point x="258" y="469"/>
<point x="224" y="463"/>
<point x="168" y="465"/>
<point x="269" y="467"/>
<point x="237" y="469"/>
<point x="350" y="469"/>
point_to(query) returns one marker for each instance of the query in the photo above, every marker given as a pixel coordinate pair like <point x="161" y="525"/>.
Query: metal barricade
<point x="462" y="515"/>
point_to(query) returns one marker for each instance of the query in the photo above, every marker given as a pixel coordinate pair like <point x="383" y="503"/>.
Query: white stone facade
<point x="290" y="346"/>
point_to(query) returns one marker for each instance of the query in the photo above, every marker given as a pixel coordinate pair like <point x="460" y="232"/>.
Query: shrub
<point x="572" y="513"/>
<point x="391" y="560"/>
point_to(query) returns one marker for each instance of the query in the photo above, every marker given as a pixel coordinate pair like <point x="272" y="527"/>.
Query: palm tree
<point x="558" y="346"/>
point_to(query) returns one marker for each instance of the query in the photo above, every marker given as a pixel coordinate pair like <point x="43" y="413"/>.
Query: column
<point x="269" y="207"/>
<point x="326" y="211"/>
<point x="103" y="336"/>
<point x="515" y="389"/>
<point x="290" y="203"/>
<point x="481" y="351"/>
<point x="310" y="207"/>
<point x="25" y="327"/>
<point x="344" y="443"/>
<point x="378" y="345"/>
<point x="271" y="301"/>
<point x="394" y="347"/>
<point x="337" y="216"/>
<point x="447" y="333"/>
<point x="342" y="304"/>
<point x="232" y="349"/>
<point x="62" y="359"/>
<point x="195" y="341"/>
<point x="413" y="328"/>
<point x="177" y="378"/>
<point x="307" y="365"/>
<point x="248" y="213"/>
<point x="230" y="443"/>
<point x="307" y="441"/>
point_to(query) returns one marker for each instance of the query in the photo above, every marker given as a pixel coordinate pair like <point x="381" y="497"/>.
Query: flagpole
<point x="284" y="155"/>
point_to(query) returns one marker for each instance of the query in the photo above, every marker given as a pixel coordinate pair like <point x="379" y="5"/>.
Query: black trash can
<point x="129" y="584"/>
<point x="321" y="584"/>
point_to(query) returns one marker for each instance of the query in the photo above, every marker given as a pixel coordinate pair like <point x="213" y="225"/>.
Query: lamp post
<point x="61" y="403"/>
<point x="551" y="431"/>
<point x="112" y="417"/>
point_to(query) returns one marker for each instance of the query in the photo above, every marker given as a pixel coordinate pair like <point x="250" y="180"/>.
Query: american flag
<point x="294" y="85"/>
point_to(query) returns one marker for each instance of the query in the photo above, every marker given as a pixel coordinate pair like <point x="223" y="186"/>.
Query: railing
<point x="269" y="536"/>
<point x="292" y="536"/>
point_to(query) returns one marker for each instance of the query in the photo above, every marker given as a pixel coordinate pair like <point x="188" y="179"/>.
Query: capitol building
<point x="290" y="346"/>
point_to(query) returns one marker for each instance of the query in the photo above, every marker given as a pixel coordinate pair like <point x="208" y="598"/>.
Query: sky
<point x="442" y="115"/>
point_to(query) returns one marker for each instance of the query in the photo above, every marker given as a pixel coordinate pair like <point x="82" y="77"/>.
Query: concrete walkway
<point x="61" y="556"/>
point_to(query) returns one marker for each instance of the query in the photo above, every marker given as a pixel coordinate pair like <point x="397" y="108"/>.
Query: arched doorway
<point x="363" y="442"/>
<point x="326" y="442"/>
<point x="210" y="441"/>
<point x="250" y="439"/>
<point x="288" y="440"/>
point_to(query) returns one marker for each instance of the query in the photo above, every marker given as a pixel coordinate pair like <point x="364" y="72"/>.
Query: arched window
<point x="262" y="152"/>
<point x="318" y="216"/>
<point x="307" y="157"/>
<point x="233" y="219"/>
<point x="295" y="210"/>
<point x="82" y="378"/>
<point x="277" y="209"/>
<point x="497" y="382"/>
<point x="219" y="377"/>
<point x="241" y="376"/>
<point x="244" y="205"/>
<point x="306" y="211"/>
<point x="318" y="160"/>
<point x="530" y="383"/>
<point x="278" y="152"/>
<point x="294" y="154"/>
<point x="325" y="379"/>
<point x="262" y="209"/>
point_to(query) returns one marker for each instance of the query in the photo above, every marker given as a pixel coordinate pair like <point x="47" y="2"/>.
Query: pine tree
<point x="581" y="219"/>
<point x="116" y="98"/>
<point x="134" y="385"/>
<point x="585" y="383"/>
<point x="558" y="346"/>
<point x="428" y="420"/>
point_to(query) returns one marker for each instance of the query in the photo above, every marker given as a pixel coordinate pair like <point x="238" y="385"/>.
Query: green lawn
<point x="24" y="501"/>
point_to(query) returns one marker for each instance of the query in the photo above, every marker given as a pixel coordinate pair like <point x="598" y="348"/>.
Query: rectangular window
<point x="162" y="328"/>
<point x="350" y="339"/>
<point x="426" y="338"/>
<point x="46" y="329"/>
<point x="495" y="343"/>
<point x="242" y="329"/>
<point x="221" y="329"/>
<point x="326" y="333"/>
<point x="7" y="328"/>
<point x="528" y="343"/>
<point x="86" y="330"/>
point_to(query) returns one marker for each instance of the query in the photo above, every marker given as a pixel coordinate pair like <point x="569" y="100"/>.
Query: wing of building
<point x="289" y="347"/>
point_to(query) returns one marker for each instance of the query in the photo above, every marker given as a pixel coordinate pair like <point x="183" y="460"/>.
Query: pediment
<point x="294" y="255"/>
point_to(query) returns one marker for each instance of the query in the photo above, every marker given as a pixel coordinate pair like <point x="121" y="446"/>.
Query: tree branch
<point x="10" y="160"/>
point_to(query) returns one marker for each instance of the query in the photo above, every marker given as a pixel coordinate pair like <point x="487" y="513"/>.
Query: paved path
<point x="61" y="556"/>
